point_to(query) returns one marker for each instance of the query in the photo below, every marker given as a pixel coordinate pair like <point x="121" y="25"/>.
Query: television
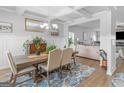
<point x="120" y="35"/>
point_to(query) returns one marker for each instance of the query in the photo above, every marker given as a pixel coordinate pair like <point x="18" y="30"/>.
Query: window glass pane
<point x="71" y="35"/>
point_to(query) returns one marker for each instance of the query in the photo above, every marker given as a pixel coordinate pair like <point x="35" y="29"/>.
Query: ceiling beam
<point x="20" y="10"/>
<point x="81" y="20"/>
<point x="84" y="20"/>
<point x="36" y="10"/>
<point x="74" y="10"/>
<point x="112" y="8"/>
<point x="68" y="11"/>
<point x="79" y="7"/>
<point x="4" y="8"/>
<point x="85" y="13"/>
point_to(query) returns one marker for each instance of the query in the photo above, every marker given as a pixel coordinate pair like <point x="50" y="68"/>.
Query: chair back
<point x="121" y="52"/>
<point x="66" y="56"/>
<point x="11" y="63"/>
<point x="54" y="59"/>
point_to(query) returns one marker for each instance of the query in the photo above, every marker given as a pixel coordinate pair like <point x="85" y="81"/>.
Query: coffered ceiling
<point x="62" y="13"/>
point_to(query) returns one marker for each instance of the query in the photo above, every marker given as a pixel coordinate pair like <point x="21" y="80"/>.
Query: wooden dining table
<point x="23" y="61"/>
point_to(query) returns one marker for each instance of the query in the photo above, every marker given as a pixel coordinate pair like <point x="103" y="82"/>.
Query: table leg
<point x="37" y="70"/>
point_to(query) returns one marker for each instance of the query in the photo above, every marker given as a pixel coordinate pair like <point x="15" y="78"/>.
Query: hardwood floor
<point x="97" y="79"/>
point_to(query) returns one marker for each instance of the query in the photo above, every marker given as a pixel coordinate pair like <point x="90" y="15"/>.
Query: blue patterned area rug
<point x="118" y="80"/>
<point x="79" y="73"/>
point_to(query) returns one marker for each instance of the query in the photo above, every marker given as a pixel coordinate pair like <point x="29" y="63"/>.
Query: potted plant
<point x="70" y="42"/>
<point x="50" y="48"/>
<point x="37" y="42"/>
<point x="26" y="47"/>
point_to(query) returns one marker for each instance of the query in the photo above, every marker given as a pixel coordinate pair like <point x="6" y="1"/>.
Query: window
<point x="71" y="39"/>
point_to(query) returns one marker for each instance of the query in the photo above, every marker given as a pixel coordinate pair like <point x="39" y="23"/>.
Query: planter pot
<point x="37" y="52"/>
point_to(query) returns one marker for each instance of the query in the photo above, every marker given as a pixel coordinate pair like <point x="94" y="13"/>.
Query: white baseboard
<point x="111" y="73"/>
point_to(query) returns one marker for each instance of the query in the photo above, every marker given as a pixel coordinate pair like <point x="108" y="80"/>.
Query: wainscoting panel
<point x="1" y="52"/>
<point x="14" y="44"/>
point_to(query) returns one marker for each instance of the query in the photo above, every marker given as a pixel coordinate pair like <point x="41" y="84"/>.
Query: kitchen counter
<point x="89" y="51"/>
<point x="96" y="43"/>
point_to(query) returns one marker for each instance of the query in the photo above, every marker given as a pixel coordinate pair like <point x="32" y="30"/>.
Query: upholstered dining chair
<point x="66" y="59"/>
<point x="53" y="63"/>
<point x="17" y="73"/>
<point x="121" y="53"/>
<point x="74" y="54"/>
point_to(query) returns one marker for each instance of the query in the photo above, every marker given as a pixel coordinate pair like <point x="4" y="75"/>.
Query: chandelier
<point x="49" y="25"/>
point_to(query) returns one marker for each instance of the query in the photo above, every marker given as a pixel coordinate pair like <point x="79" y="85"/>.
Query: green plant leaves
<point x="50" y="48"/>
<point x="37" y="42"/>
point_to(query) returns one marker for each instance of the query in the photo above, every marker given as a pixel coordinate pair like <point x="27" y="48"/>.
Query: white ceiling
<point x="95" y="9"/>
<point x="62" y="13"/>
<point x="89" y="25"/>
<point x="92" y="25"/>
<point x="53" y="10"/>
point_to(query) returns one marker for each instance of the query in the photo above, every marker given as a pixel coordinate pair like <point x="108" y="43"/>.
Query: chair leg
<point x="67" y="66"/>
<point x="74" y="61"/>
<point x="48" y="78"/>
<point x="70" y="68"/>
<point x="61" y="72"/>
<point x="34" y="75"/>
<point x="40" y="70"/>
<point x="11" y="78"/>
<point x="14" y="80"/>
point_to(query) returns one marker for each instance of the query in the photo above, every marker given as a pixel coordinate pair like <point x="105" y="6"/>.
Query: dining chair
<point x="66" y="59"/>
<point x="53" y="63"/>
<point x="121" y="53"/>
<point x="17" y="73"/>
<point x="74" y="54"/>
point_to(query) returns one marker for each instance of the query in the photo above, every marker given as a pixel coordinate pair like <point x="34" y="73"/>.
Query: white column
<point x="65" y="33"/>
<point x="107" y="38"/>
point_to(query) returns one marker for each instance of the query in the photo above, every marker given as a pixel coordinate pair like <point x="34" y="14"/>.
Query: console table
<point x="42" y="48"/>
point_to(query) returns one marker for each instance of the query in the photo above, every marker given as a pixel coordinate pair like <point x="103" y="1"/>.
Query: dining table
<point x="23" y="61"/>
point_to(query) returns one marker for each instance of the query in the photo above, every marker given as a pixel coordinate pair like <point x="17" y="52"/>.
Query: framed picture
<point x="5" y="27"/>
<point x="33" y="25"/>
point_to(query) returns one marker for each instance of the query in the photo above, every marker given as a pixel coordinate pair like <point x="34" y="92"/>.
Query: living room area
<point x="59" y="46"/>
